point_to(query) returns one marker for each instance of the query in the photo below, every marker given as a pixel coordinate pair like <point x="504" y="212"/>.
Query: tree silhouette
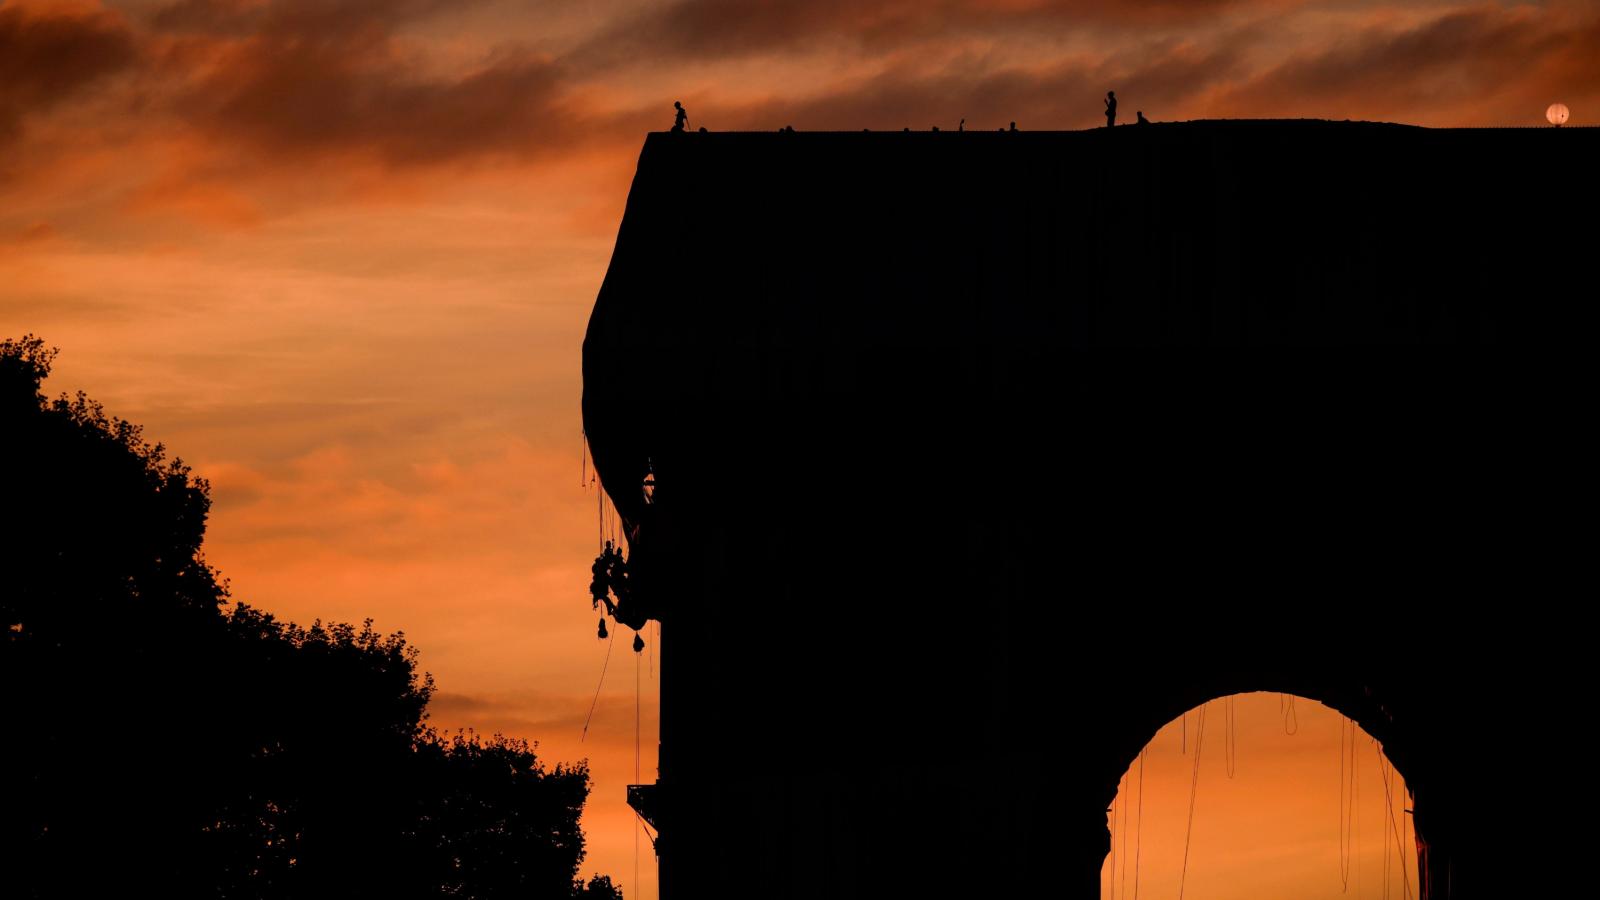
<point x="160" y="737"/>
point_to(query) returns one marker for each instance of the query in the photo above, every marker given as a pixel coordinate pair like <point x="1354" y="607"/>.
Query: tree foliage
<point x="160" y="737"/>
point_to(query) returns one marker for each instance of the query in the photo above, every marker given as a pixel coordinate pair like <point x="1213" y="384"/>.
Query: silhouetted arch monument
<point x="940" y="421"/>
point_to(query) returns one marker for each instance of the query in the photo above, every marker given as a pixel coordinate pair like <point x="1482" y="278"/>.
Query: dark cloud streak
<point x="1458" y="63"/>
<point x="1064" y="95"/>
<point x="49" y="59"/>
<point x="700" y="30"/>
<point x="296" y="99"/>
<point x="297" y="80"/>
<point x="275" y="88"/>
<point x="302" y="18"/>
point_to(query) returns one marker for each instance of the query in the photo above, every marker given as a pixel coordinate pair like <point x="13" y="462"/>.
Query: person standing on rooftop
<point x="1111" y="108"/>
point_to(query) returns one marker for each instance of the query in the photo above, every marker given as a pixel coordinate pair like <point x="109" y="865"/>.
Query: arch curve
<point x="1250" y="794"/>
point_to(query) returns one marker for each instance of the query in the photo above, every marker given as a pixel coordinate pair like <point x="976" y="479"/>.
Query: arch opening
<point x="1256" y="795"/>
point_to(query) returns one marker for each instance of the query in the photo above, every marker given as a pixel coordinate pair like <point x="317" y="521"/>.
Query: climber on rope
<point x="601" y="584"/>
<point x="617" y="577"/>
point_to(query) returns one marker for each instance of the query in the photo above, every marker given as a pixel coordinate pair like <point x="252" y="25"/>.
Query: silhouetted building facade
<point x="975" y="462"/>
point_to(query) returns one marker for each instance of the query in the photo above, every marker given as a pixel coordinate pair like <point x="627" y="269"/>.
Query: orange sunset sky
<point x="339" y="256"/>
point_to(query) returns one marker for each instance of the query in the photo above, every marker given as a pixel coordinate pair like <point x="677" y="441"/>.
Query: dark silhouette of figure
<point x="962" y="126"/>
<point x="1111" y="108"/>
<point x="610" y="579"/>
<point x="682" y="118"/>
<point x="617" y="578"/>
<point x="1013" y="127"/>
<point x="1142" y="119"/>
<point x="599" y="582"/>
<point x="702" y="129"/>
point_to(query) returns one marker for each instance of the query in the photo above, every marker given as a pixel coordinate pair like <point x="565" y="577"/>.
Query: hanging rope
<point x="1406" y="827"/>
<point x="1291" y="716"/>
<point x="1231" y="744"/>
<point x="1344" y="848"/>
<point x="1400" y="845"/>
<point x="583" y="462"/>
<point x="1111" y="870"/>
<point x="1355" y="802"/>
<point x="1383" y="772"/>
<point x="1194" y="790"/>
<point x="1119" y="819"/>
<point x="1125" y="839"/>
<point x="1425" y="876"/>
<point x="1138" y="843"/>
<point x="650" y="833"/>
<point x="603" y="666"/>
<point x="636" y="829"/>
<point x="636" y="719"/>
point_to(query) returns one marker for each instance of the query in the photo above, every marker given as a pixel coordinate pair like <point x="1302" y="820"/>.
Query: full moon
<point x="1557" y="114"/>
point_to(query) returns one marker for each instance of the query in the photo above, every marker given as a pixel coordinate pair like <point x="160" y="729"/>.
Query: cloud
<point x="1162" y="75"/>
<point x="1484" y="64"/>
<point x="49" y="58"/>
<point x="292" y="80"/>
<point x="698" y="30"/>
<point x="1479" y="65"/>
<point x="296" y="99"/>
<point x="235" y="113"/>
<point x="306" y="18"/>
<point x="33" y="233"/>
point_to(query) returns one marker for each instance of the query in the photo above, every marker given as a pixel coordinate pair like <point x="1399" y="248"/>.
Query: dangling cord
<point x="637" y="826"/>
<point x="1291" y="716"/>
<point x="1125" y="805"/>
<point x="583" y="462"/>
<point x="1111" y="870"/>
<point x="636" y="719"/>
<point x="1355" y="801"/>
<point x="1407" y="827"/>
<point x="587" y="719"/>
<point x="1383" y="773"/>
<point x="1390" y="776"/>
<point x="1344" y="829"/>
<point x="1138" y="842"/>
<point x="1231" y="745"/>
<point x="1185" y="745"/>
<point x="1194" y="790"/>
<point x="1122" y="831"/>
